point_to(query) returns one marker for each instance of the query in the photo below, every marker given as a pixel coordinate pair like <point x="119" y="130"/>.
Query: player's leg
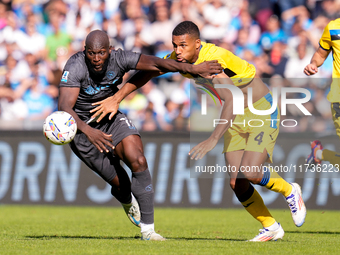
<point x="245" y="192"/>
<point x="249" y="170"/>
<point x="318" y="153"/>
<point x="107" y="166"/>
<point x="265" y="176"/>
<point x="121" y="190"/>
<point x="234" y="145"/>
<point x="130" y="150"/>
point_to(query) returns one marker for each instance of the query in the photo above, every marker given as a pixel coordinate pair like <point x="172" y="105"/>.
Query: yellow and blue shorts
<point x="251" y="132"/>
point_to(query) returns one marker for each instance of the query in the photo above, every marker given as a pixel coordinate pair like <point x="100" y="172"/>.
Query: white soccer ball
<point x="60" y="127"/>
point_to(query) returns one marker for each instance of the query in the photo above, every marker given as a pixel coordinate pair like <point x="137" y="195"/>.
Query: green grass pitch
<point x="107" y="230"/>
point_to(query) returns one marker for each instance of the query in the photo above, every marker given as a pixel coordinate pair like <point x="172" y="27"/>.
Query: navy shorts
<point x="104" y="164"/>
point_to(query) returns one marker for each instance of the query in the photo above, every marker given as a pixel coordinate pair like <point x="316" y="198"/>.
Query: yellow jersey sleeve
<point x="237" y="69"/>
<point x="172" y="55"/>
<point x="326" y="40"/>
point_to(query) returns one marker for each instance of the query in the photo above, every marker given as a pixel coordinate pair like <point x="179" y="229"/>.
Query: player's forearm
<point x="135" y="82"/>
<point x="222" y="124"/>
<point x="81" y="125"/>
<point x="151" y="63"/>
<point x="170" y="65"/>
<point x="319" y="57"/>
<point x="317" y="60"/>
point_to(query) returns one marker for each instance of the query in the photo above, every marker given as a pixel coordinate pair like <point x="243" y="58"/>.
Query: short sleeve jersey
<point x="76" y="74"/>
<point x="238" y="70"/>
<point x="330" y="40"/>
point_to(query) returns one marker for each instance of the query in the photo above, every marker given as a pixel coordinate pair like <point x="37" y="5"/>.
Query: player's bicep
<point x="148" y="63"/>
<point x="323" y="53"/>
<point x="67" y="97"/>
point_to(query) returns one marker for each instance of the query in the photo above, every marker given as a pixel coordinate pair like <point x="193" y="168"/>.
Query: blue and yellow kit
<point x="239" y="136"/>
<point x="330" y="40"/>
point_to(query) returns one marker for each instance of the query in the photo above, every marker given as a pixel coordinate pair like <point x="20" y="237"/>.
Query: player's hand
<point x="108" y="105"/>
<point x="310" y="69"/>
<point x="99" y="139"/>
<point x="202" y="148"/>
<point x="208" y="69"/>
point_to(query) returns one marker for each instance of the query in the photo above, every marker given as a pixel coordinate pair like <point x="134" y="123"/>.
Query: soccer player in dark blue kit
<point x="93" y="75"/>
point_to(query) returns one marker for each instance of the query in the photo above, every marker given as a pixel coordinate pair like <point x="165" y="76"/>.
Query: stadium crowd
<point x="277" y="36"/>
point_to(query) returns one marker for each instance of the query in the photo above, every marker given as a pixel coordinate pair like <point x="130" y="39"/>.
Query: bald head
<point x="97" y="39"/>
<point x="97" y="52"/>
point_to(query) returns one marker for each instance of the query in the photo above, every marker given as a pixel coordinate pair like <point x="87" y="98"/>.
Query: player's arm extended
<point x="67" y="99"/>
<point x="204" y="147"/>
<point x="152" y="66"/>
<point x="110" y="105"/>
<point x="317" y="60"/>
<point x="151" y="63"/>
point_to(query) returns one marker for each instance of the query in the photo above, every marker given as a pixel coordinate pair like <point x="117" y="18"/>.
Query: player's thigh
<point x="336" y="117"/>
<point x="101" y="163"/>
<point x="130" y="150"/>
<point x="233" y="161"/>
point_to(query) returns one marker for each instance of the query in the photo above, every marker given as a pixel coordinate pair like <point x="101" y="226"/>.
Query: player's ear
<point x="111" y="48"/>
<point x="198" y="43"/>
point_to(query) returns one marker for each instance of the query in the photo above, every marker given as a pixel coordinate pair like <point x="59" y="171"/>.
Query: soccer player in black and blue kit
<point x="91" y="76"/>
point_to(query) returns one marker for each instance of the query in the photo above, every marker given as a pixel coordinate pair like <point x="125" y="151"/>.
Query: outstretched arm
<point x="317" y="60"/>
<point x="110" y="105"/>
<point x="204" y="147"/>
<point x="151" y="63"/>
<point x="155" y="67"/>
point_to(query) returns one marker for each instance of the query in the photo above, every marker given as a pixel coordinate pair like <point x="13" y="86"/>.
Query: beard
<point x="96" y="75"/>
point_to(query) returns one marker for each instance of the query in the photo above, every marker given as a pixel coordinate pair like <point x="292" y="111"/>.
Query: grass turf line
<point x="107" y="230"/>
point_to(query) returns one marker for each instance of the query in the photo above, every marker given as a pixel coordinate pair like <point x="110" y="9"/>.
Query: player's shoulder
<point x="120" y="52"/>
<point x="116" y="51"/>
<point x="333" y="24"/>
<point x="77" y="60"/>
<point x="211" y="51"/>
<point x="76" y="66"/>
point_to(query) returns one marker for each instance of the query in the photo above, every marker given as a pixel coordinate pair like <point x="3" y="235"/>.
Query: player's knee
<point x="252" y="176"/>
<point x="139" y="163"/>
<point x="254" y="180"/>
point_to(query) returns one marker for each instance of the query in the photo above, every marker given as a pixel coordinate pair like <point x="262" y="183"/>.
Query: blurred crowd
<point x="278" y="36"/>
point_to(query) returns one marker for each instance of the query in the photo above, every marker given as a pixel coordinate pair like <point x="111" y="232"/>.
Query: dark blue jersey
<point x="76" y="74"/>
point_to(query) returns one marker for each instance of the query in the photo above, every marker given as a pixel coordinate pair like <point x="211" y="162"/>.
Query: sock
<point x="318" y="154"/>
<point x="273" y="181"/>
<point x="275" y="226"/>
<point x="141" y="187"/>
<point x="331" y="156"/>
<point x="253" y="203"/>
<point x="146" y="227"/>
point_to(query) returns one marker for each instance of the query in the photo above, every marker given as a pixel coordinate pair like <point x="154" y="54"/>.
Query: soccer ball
<point x="60" y="127"/>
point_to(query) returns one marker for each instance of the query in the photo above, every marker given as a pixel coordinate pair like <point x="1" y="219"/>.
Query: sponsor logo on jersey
<point x="110" y="74"/>
<point x="64" y="77"/>
<point x="90" y="90"/>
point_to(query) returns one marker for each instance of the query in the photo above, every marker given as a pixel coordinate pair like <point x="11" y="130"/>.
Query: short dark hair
<point x="187" y="27"/>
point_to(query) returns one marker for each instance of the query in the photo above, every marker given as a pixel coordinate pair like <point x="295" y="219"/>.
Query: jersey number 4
<point x="259" y="138"/>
